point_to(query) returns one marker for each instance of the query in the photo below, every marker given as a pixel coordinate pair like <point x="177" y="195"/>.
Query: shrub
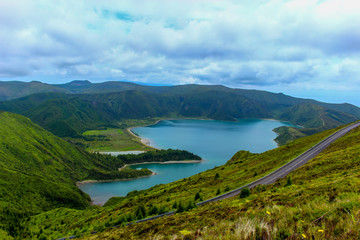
<point x="245" y="192"/>
<point x="153" y="210"/>
<point x="197" y="196"/>
<point x="218" y="192"/>
<point x="288" y="182"/>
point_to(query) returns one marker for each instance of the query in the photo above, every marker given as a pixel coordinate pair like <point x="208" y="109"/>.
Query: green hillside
<point x="69" y="115"/>
<point x="15" y="89"/>
<point x="39" y="198"/>
<point x="307" y="195"/>
<point x="267" y="100"/>
<point x="318" y="201"/>
<point x="39" y="171"/>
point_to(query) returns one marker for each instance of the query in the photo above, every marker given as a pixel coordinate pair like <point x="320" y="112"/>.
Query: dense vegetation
<point x="39" y="171"/>
<point x="95" y="106"/>
<point x="244" y="167"/>
<point x="316" y="201"/>
<point x="15" y="89"/>
<point x="159" y="156"/>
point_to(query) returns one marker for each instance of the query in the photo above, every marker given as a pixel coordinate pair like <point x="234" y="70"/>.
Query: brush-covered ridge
<point x="243" y="168"/>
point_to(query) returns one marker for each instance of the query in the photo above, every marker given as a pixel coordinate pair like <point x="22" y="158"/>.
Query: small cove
<point x="214" y="141"/>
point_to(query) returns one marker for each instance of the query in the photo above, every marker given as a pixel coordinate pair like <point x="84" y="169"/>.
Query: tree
<point x="140" y="212"/>
<point x="197" y="196"/>
<point x="288" y="182"/>
<point x="153" y="210"/>
<point x="218" y="192"/>
<point x="245" y="192"/>
<point x="180" y="207"/>
<point x="191" y="204"/>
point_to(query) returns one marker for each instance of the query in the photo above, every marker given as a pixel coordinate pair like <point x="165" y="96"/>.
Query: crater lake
<point x="215" y="141"/>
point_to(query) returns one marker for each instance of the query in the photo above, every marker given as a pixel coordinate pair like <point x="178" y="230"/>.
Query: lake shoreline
<point x="165" y="162"/>
<point x="114" y="180"/>
<point x="217" y="147"/>
<point x="146" y="142"/>
<point x="129" y="179"/>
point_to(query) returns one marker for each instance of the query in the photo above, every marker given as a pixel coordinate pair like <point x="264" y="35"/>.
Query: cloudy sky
<point x="305" y="48"/>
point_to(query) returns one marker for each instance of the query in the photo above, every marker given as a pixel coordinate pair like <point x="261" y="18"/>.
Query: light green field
<point x="114" y="139"/>
<point x="107" y="132"/>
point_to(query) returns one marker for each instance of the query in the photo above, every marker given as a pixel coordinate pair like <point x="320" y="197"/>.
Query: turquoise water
<point x="214" y="141"/>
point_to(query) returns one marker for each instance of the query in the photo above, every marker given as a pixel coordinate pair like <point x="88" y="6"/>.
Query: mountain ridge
<point x="82" y="105"/>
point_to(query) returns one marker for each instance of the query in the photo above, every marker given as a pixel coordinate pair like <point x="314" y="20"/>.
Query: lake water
<point x="214" y="141"/>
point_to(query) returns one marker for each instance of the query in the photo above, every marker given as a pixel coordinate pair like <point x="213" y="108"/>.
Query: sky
<point x="303" y="48"/>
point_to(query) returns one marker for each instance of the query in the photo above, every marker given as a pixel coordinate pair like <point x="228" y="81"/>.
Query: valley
<point x="214" y="141"/>
<point x="54" y="146"/>
<point x="180" y="120"/>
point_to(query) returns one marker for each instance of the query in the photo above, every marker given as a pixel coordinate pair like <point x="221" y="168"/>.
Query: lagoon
<point x="215" y="141"/>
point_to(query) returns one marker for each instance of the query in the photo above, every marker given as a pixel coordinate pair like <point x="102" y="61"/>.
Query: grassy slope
<point x="15" y="89"/>
<point x="243" y="168"/>
<point x="38" y="171"/>
<point x="321" y="201"/>
<point x="71" y="115"/>
<point x="111" y="139"/>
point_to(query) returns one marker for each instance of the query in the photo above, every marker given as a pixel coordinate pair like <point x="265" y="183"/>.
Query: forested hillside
<point x="39" y="171"/>
<point x="95" y="106"/>
<point x="321" y="195"/>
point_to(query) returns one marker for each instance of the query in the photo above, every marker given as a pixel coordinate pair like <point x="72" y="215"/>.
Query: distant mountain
<point x="71" y="108"/>
<point x="15" y="89"/>
<point x="311" y="115"/>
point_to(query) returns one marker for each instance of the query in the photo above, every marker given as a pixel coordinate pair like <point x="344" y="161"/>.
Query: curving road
<point x="290" y="166"/>
<point x="279" y="173"/>
<point x="270" y="178"/>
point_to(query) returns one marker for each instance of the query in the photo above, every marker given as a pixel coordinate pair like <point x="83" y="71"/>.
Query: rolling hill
<point x="15" y="89"/>
<point x="39" y="198"/>
<point x="318" y="200"/>
<point x="39" y="171"/>
<point x="83" y="105"/>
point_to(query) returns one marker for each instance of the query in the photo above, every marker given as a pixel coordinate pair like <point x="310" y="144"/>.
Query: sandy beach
<point x="144" y="141"/>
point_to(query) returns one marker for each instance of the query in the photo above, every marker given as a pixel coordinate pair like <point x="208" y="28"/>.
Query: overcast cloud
<point x="279" y="45"/>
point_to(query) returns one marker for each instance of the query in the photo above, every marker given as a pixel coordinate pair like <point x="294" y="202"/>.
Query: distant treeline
<point x="125" y="173"/>
<point x="159" y="156"/>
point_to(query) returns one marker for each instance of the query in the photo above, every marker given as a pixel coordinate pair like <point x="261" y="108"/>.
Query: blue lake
<point x="214" y="141"/>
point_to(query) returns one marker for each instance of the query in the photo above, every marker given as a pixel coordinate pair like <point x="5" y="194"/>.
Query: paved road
<point x="280" y="172"/>
<point x="270" y="178"/>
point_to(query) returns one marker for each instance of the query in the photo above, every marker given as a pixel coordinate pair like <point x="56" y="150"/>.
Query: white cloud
<point x="258" y="44"/>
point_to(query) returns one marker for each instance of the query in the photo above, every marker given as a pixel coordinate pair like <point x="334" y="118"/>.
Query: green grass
<point x="69" y="115"/>
<point x="238" y="171"/>
<point x="39" y="171"/>
<point x="287" y="134"/>
<point x="39" y="199"/>
<point x="107" y="132"/>
<point x="113" y="139"/>
<point x="320" y="202"/>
